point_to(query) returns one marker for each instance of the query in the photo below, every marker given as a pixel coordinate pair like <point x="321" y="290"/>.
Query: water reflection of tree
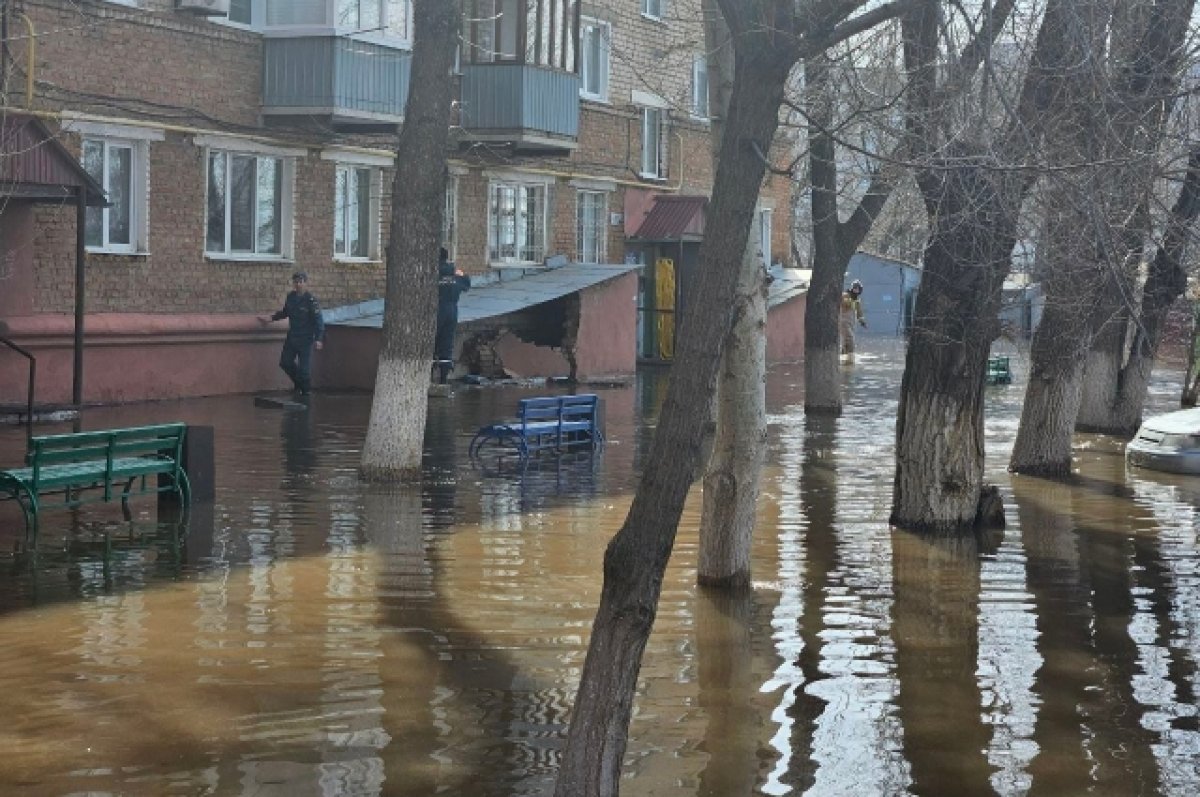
<point x="726" y="676"/>
<point x="1088" y="726"/>
<point x="457" y="710"/>
<point x="935" y="627"/>
<point x="818" y="501"/>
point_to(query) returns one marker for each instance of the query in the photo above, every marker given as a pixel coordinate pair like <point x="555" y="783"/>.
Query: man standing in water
<point x="852" y="310"/>
<point x="306" y="329"/>
<point x="451" y="284"/>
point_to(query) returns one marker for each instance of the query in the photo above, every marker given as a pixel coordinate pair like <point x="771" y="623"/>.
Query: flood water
<point x="311" y="635"/>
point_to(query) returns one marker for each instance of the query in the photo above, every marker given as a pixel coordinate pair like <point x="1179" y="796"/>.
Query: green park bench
<point x="88" y="467"/>
<point x="998" y="372"/>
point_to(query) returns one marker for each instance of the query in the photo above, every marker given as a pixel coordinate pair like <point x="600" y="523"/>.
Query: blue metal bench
<point x="554" y="423"/>
<point x="87" y="467"/>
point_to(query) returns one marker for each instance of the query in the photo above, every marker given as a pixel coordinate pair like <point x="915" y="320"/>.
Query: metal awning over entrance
<point x="36" y="167"/>
<point x="673" y="218"/>
<point x="495" y="295"/>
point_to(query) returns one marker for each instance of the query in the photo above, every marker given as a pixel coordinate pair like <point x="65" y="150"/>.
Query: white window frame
<point x="589" y="27"/>
<point x="521" y="186"/>
<point x="450" y="218"/>
<point x="652" y="121"/>
<point x="653" y="9"/>
<point x="700" y="108"/>
<point x="374" y="192"/>
<point x="138" y="192"/>
<point x="598" y="227"/>
<point x="764" y="235"/>
<point x="287" y="166"/>
<point x="94" y="128"/>
<point x="257" y="13"/>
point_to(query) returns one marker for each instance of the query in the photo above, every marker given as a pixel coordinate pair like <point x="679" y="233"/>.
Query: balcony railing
<point x="532" y="107"/>
<point x="354" y="83"/>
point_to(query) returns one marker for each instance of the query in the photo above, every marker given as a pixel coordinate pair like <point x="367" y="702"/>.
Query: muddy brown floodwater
<point x="312" y="635"/>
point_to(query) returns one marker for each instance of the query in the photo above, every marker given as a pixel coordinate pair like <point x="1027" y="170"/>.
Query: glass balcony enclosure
<point x="520" y="73"/>
<point x="347" y="61"/>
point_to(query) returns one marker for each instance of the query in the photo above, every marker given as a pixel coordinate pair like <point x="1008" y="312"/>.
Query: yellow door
<point x="664" y="303"/>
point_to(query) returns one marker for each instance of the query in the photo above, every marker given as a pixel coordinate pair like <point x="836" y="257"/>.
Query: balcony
<point x="534" y="108"/>
<point x="355" y="85"/>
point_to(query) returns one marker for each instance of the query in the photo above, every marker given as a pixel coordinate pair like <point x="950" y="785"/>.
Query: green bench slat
<point x="101" y="459"/>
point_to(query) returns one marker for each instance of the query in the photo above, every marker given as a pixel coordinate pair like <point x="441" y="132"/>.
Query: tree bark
<point x="939" y="428"/>
<point x="731" y="481"/>
<point x="973" y="200"/>
<point x="1117" y="140"/>
<point x="395" y="433"/>
<point x="1167" y="280"/>
<point x="636" y="558"/>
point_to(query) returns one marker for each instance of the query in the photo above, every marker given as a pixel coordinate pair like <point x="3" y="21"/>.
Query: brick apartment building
<point x="237" y="141"/>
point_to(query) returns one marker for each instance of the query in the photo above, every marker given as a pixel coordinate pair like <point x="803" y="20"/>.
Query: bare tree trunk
<point x="731" y="482"/>
<point x="636" y="558"/>
<point x="973" y="202"/>
<point x="939" y="428"/>
<point x="822" y="374"/>
<point x="835" y="241"/>
<point x="1166" y="282"/>
<point x="1126" y="127"/>
<point x="392" y="449"/>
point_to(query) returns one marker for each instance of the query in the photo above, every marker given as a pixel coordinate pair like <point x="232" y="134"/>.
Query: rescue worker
<point x="851" y="311"/>
<point x="452" y="282"/>
<point x="306" y="329"/>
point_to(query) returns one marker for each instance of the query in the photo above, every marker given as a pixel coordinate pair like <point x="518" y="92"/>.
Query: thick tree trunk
<point x="822" y="372"/>
<point x="731" y="481"/>
<point x="636" y="558"/>
<point x="731" y="484"/>
<point x="1121" y="413"/>
<point x="1063" y="338"/>
<point x="1126" y="127"/>
<point x="939" y="429"/>
<point x="392" y="449"/>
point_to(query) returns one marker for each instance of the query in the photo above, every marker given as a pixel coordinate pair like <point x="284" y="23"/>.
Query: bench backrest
<point x="558" y="408"/>
<point x="106" y="445"/>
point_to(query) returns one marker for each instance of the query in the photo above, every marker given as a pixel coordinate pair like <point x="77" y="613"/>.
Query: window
<point x="355" y="213"/>
<point x="516" y="222"/>
<point x="591" y="229"/>
<point x="249" y="204"/>
<point x="764" y="236"/>
<point x="450" y="218"/>
<point x="652" y="143"/>
<point x="120" y="168"/>
<point x="358" y="14"/>
<point x="594" y="38"/>
<point x="700" y="87"/>
<point x="240" y="11"/>
<point x="392" y="17"/>
<point x="652" y="8"/>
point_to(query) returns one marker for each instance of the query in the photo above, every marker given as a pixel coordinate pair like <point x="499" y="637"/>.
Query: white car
<point x="1168" y="442"/>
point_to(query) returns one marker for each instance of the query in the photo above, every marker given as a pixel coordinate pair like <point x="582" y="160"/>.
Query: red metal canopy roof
<point x="674" y="218"/>
<point x="35" y="165"/>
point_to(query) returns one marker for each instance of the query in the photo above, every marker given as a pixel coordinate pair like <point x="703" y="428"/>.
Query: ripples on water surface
<point x="314" y="636"/>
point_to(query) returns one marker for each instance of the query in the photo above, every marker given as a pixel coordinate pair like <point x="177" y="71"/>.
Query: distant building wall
<point x="137" y="357"/>
<point x="785" y="330"/>
<point x="888" y="286"/>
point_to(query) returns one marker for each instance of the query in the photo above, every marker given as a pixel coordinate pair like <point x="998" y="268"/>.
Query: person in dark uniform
<point x="451" y="284"/>
<point x="306" y="328"/>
